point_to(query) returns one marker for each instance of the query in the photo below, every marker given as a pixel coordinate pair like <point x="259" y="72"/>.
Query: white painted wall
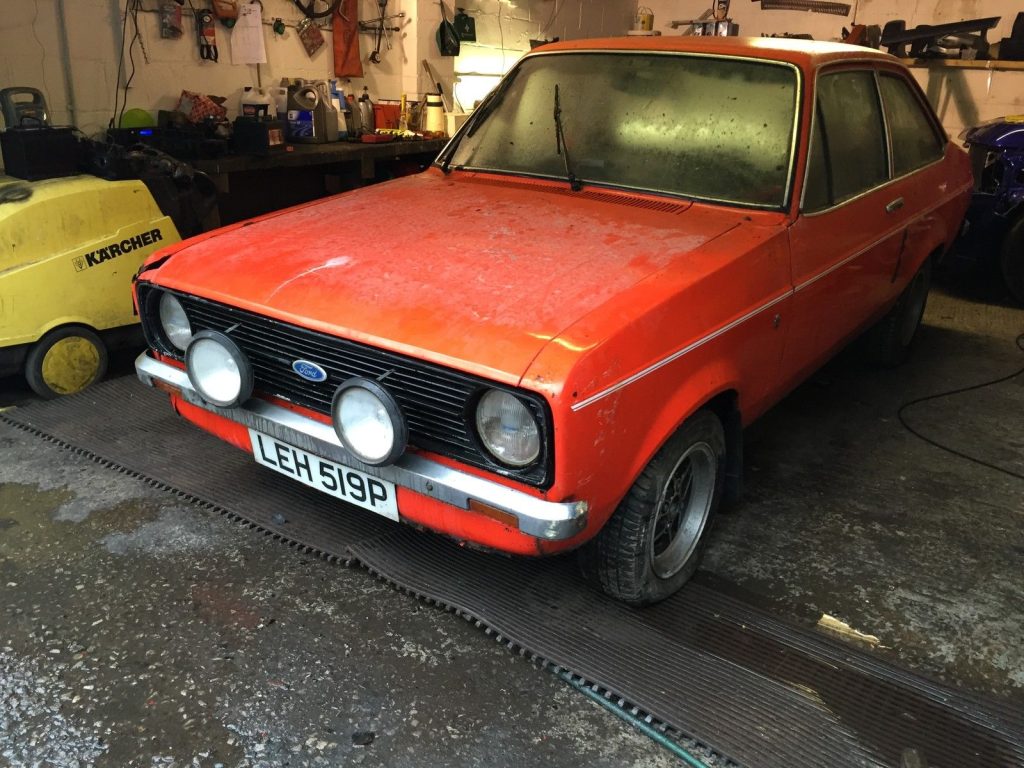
<point x="31" y="54"/>
<point x="962" y="97"/>
<point x="31" y="51"/>
<point x="504" y="29"/>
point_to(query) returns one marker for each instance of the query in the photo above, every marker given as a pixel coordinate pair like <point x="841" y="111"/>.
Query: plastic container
<point x="279" y="93"/>
<point x="23" y="107"/>
<point x="256" y="102"/>
<point x="386" y="115"/>
<point x="340" y="106"/>
<point x="352" y="116"/>
<point x="366" y="120"/>
<point x="40" y="153"/>
<point x="433" y="119"/>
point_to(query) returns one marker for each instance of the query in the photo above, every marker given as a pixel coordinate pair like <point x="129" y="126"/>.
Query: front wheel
<point x="652" y="543"/>
<point x="65" y="361"/>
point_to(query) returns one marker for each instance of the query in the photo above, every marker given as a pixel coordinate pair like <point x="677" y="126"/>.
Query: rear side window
<point x="915" y="142"/>
<point x="848" y="153"/>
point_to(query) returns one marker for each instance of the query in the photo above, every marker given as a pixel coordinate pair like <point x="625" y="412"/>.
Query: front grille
<point x="435" y="400"/>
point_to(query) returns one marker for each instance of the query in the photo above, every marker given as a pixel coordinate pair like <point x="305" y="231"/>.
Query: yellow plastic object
<point x="68" y="253"/>
<point x="70" y="365"/>
<point x="137" y="118"/>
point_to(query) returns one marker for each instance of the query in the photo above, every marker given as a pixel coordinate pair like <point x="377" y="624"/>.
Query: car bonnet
<point x="474" y="273"/>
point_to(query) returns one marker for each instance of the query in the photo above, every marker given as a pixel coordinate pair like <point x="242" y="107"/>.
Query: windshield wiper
<point x="561" y="148"/>
<point x="478" y="116"/>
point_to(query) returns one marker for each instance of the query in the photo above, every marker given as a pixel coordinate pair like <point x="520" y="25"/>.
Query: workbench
<point x="248" y="185"/>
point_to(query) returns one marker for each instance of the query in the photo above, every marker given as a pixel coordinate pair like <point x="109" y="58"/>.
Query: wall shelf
<point x="992" y="65"/>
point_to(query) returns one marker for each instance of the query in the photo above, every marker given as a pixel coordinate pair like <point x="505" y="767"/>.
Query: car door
<point x="847" y="239"/>
<point x="917" y="145"/>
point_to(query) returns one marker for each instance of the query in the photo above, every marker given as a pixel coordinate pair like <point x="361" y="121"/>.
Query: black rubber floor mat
<point x="703" y="664"/>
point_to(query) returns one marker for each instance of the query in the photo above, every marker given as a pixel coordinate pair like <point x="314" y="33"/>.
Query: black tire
<point x="65" y="361"/>
<point x="887" y="343"/>
<point x="631" y="559"/>
<point x="1011" y="260"/>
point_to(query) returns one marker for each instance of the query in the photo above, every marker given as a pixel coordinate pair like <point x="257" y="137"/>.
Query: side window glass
<point x="817" y="195"/>
<point x="851" y="121"/>
<point x="915" y="142"/>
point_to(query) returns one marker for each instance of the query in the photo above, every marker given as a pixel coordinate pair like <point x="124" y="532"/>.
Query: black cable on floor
<point x="1019" y="341"/>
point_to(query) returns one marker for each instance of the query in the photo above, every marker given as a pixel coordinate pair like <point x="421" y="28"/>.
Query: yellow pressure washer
<point x="69" y="248"/>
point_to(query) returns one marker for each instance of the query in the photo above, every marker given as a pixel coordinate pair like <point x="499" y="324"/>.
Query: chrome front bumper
<point x="536" y="517"/>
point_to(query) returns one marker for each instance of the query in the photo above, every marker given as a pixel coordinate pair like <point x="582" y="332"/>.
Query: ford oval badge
<point x="309" y="371"/>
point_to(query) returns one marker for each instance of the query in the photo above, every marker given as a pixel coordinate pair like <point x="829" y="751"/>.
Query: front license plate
<point x="336" y="480"/>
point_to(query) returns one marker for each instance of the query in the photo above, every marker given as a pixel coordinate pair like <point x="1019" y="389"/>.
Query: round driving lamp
<point x="218" y="369"/>
<point x="174" y="323"/>
<point x="507" y="429"/>
<point x="369" y="422"/>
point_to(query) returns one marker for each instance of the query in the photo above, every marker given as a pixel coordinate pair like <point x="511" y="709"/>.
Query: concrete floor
<point x="849" y="514"/>
<point x="138" y="630"/>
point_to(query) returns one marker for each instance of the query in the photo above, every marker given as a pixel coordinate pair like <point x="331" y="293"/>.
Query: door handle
<point x="894" y="206"/>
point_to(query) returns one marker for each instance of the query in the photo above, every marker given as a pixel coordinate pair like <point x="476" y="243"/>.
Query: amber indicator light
<point x="494" y="513"/>
<point x="163" y="386"/>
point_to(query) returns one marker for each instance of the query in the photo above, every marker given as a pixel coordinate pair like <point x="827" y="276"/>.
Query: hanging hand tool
<point x="381" y="6"/>
<point x="207" y="35"/>
<point x="380" y="28"/>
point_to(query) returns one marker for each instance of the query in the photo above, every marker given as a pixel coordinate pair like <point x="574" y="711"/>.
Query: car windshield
<point x="703" y="127"/>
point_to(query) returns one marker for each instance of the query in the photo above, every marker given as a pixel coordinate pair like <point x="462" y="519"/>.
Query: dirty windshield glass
<point x="701" y="127"/>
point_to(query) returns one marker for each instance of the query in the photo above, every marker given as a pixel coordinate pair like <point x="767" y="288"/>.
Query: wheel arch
<point x="937" y="243"/>
<point x="726" y="406"/>
<point x="724" y="400"/>
<point x="934" y="254"/>
<point x="59" y="323"/>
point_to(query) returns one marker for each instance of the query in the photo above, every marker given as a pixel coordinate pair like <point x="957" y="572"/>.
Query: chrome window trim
<point x="678" y="197"/>
<point x="938" y="133"/>
<point x="842" y="67"/>
<point x="890" y="182"/>
<point x="892" y="177"/>
<point x="887" y="133"/>
<point x="793" y="141"/>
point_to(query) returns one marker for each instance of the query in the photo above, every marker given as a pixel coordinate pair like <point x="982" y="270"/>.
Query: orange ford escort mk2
<point x="630" y="251"/>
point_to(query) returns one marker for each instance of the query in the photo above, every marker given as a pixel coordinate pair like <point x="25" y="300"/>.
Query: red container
<point x="386" y="115"/>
